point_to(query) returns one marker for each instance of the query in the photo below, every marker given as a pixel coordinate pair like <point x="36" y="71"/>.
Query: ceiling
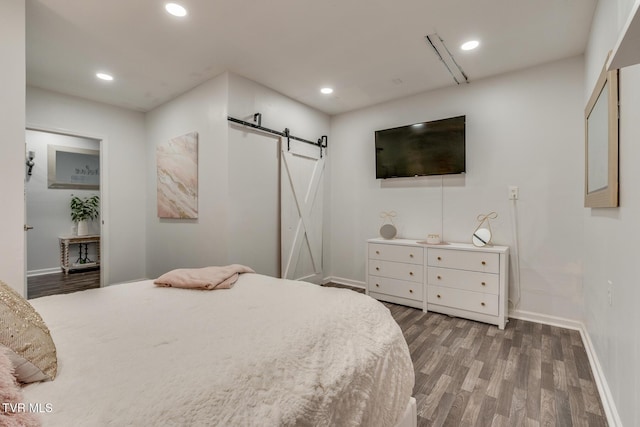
<point x="369" y="51"/>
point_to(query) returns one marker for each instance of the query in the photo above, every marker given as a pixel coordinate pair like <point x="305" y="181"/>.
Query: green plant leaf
<point x="84" y="209"/>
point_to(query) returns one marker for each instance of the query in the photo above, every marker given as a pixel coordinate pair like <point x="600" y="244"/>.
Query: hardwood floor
<point x="473" y="374"/>
<point x="59" y="283"/>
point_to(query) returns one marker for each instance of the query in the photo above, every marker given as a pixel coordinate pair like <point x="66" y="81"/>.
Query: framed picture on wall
<point x="74" y="168"/>
<point x="177" y="177"/>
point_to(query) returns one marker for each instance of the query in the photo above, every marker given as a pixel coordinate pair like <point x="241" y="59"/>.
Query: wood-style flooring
<point x="473" y="374"/>
<point x="469" y="373"/>
<point x="60" y="283"/>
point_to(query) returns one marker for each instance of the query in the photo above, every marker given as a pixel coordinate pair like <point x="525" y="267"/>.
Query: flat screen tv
<point x="429" y="148"/>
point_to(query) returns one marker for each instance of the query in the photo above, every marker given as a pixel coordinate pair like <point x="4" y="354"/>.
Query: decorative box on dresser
<point x="457" y="279"/>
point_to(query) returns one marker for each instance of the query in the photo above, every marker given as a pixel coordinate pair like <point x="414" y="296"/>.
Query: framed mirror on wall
<point x="601" y="143"/>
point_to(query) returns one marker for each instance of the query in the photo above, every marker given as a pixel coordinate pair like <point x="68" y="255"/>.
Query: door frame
<point x="104" y="199"/>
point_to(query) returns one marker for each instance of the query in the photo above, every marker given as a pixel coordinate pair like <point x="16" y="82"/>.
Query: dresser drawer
<point x="396" y="288"/>
<point x="463" y="300"/>
<point x="464" y="279"/>
<point x="396" y="270"/>
<point x="464" y="260"/>
<point x="407" y="254"/>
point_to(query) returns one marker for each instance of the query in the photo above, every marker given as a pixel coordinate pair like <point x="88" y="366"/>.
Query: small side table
<point x="83" y="260"/>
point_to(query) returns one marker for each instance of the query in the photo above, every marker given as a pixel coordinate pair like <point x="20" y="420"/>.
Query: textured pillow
<point x="215" y="277"/>
<point x="26" y="338"/>
<point x="13" y="413"/>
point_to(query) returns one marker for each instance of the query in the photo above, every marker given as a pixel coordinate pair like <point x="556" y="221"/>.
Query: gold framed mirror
<point x="601" y="143"/>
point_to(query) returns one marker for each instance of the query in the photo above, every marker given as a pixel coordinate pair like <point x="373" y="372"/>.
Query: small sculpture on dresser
<point x="433" y="239"/>
<point x="388" y="229"/>
<point x="482" y="234"/>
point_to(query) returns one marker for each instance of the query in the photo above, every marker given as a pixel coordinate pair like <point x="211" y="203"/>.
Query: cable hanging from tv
<point x="257" y="124"/>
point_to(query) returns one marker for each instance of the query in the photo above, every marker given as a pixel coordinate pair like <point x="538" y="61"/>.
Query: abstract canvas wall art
<point x="178" y="177"/>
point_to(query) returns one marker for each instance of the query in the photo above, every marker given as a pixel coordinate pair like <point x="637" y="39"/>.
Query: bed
<point x="265" y="352"/>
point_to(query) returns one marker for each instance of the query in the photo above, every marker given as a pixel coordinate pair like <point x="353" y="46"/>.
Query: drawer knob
<point x="484" y="284"/>
<point x="439" y="259"/>
<point x="439" y="277"/>
<point x="411" y="273"/>
<point x="482" y="304"/>
<point x="484" y="263"/>
<point x="410" y="255"/>
<point x="410" y="291"/>
<point x="377" y="285"/>
<point x="377" y="268"/>
<point x="438" y="295"/>
<point x="377" y="252"/>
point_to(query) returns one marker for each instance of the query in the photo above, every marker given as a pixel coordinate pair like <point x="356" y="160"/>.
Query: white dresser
<point x="458" y="279"/>
<point x="395" y="271"/>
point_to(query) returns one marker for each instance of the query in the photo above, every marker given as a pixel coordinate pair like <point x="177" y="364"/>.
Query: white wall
<point x="179" y="243"/>
<point x="612" y="234"/>
<point x="237" y="190"/>
<point x="12" y="152"/>
<point x="524" y="129"/>
<point x="48" y="209"/>
<point x="125" y="192"/>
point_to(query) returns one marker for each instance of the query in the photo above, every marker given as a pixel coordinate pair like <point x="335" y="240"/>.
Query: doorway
<point x="63" y="166"/>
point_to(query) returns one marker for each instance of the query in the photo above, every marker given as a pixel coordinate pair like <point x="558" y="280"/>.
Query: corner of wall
<point x="12" y="149"/>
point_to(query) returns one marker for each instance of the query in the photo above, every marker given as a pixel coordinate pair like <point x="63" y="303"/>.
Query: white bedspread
<point x="266" y="352"/>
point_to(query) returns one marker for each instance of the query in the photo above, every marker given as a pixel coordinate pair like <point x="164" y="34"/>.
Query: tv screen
<point x="428" y="148"/>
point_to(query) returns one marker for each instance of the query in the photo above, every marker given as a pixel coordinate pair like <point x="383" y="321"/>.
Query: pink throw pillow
<point x="13" y="411"/>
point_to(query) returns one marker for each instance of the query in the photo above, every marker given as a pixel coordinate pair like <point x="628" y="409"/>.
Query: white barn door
<point x="301" y="195"/>
<point x="254" y="206"/>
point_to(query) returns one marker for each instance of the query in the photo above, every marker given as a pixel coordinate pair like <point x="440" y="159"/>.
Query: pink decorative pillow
<point x="203" y="278"/>
<point x="13" y="411"/>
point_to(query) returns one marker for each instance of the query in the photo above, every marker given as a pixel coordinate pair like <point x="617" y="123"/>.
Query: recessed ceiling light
<point x="470" y="45"/>
<point x="104" y="76"/>
<point x="175" y="9"/>
<point x="326" y="90"/>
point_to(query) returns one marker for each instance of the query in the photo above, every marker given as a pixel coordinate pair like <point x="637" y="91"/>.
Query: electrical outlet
<point x="514" y="193"/>
<point x="610" y="292"/>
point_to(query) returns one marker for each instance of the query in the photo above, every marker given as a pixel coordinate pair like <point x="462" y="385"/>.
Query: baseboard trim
<point x="343" y="281"/>
<point x="613" y="418"/>
<point x="611" y="412"/>
<point x="43" y="271"/>
<point x="546" y="319"/>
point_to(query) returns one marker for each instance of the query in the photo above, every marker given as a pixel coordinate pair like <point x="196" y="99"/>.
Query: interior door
<point x="254" y="207"/>
<point x="302" y="171"/>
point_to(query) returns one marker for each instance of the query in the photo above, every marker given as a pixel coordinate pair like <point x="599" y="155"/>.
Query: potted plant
<point x="83" y="210"/>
